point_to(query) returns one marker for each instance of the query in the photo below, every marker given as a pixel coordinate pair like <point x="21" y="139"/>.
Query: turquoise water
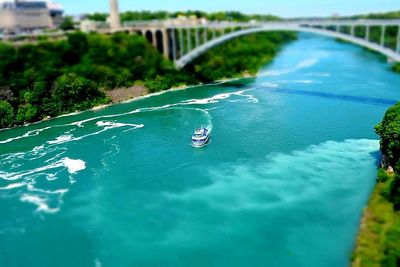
<point x="292" y="161"/>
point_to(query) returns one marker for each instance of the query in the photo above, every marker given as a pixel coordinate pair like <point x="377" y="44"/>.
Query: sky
<point x="283" y="8"/>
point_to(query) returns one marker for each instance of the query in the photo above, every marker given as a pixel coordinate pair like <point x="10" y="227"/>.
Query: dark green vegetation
<point x="378" y="242"/>
<point x="396" y="67"/>
<point x="67" y="24"/>
<point x="148" y="15"/>
<point x="389" y="131"/>
<point x="52" y="78"/>
<point x="247" y="53"/>
<point x="385" y="15"/>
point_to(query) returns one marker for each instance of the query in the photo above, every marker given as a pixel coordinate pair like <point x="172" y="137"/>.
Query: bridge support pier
<point x="367" y="32"/>
<point x="173" y="39"/>
<point x="205" y="37"/>
<point x="153" y="32"/>
<point x="383" y="33"/>
<point x="180" y="42"/>
<point x="166" y="43"/>
<point x="352" y="30"/>
<point x="189" y="39"/>
<point x="197" y="37"/>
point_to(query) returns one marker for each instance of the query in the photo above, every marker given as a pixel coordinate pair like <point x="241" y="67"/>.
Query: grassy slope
<point x="378" y="222"/>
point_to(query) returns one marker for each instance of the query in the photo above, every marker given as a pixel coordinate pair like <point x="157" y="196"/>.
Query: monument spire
<point x="114" y="15"/>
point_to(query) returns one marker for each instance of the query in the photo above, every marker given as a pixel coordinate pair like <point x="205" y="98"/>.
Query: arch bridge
<point x="183" y="43"/>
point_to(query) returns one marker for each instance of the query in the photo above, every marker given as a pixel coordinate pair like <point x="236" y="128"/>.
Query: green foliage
<point x="394" y="193"/>
<point x="386" y="15"/>
<point x="98" y="17"/>
<point x="392" y="248"/>
<point x="72" y="92"/>
<point x="6" y="114"/>
<point x="67" y="24"/>
<point x="389" y="131"/>
<point x="26" y="113"/>
<point x="245" y="54"/>
<point x="383" y="176"/>
<point x="52" y="78"/>
<point x="161" y="15"/>
<point x="396" y="67"/>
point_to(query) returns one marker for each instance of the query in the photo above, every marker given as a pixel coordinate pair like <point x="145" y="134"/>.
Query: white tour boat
<point x="200" y="137"/>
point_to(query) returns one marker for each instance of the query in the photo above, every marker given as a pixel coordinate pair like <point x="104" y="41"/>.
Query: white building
<point x="16" y="16"/>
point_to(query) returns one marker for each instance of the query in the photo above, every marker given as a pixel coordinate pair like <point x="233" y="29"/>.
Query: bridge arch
<point x="184" y="60"/>
<point x="159" y="41"/>
<point x="149" y="36"/>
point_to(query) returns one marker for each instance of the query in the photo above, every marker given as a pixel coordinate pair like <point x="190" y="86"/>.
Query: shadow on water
<point x="377" y="156"/>
<point x="351" y="98"/>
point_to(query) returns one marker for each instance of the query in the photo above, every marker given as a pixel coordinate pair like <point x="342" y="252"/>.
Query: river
<point x="291" y="164"/>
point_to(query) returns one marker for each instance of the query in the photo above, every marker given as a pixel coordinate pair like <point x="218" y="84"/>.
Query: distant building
<point x="17" y="16"/>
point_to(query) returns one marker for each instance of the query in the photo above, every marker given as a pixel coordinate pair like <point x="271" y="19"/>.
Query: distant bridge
<point x="183" y="43"/>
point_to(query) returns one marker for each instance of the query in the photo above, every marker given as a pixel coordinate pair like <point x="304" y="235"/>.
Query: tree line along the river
<point x="53" y="78"/>
<point x="162" y="15"/>
<point x="221" y="16"/>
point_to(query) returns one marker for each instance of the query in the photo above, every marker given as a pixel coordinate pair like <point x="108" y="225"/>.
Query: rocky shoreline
<point x="122" y="94"/>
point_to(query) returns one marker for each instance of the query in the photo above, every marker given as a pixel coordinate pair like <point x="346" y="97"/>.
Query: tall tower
<point x="114" y="15"/>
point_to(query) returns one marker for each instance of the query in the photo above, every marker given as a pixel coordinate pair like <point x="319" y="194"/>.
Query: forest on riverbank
<point x="53" y="78"/>
<point x="378" y="241"/>
<point x="162" y="15"/>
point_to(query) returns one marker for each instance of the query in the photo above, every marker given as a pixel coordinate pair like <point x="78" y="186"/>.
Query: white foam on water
<point x="37" y="148"/>
<point x="25" y="135"/>
<point x="12" y="186"/>
<point x="304" y="81"/>
<point x="322" y="74"/>
<point x="70" y="114"/>
<point x="41" y="203"/>
<point x="61" y="139"/>
<point x="270" y="84"/>
<point x="219" y="97"/>
<point x="112" y="125"/>
<point x="73" y="165"/>
<point x="306" y="63"/>
<point x="26" y="181"/>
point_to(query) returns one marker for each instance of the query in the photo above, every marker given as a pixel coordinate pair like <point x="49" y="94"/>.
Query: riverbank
<point x="54" y="78"/>
<point x="379" y="234"/>
<point x="378" y="221"/>
<point x="123" y="94"/>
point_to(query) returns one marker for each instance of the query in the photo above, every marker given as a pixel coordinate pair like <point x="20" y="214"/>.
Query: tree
<point x="26" y="113"/>
<point x="6" y="114"/>
<point x="67" y="24"/>
<point x="72" y="92"/>
<point x="389" y="131"/>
